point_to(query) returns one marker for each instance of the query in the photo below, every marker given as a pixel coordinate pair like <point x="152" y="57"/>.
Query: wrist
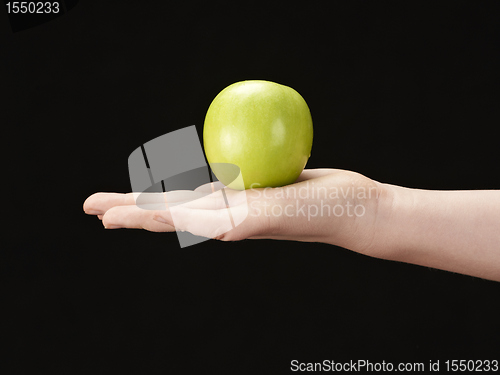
<point x="366" y="231"/>
<point x="384" y="234"/>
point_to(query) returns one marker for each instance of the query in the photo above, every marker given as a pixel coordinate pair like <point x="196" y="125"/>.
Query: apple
<point x="263" y="128"/>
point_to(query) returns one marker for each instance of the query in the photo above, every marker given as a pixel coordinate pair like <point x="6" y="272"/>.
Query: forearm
<point x="457" y="231"/>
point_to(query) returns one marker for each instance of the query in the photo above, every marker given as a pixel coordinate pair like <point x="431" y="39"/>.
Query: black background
<point x="404" y="92"/>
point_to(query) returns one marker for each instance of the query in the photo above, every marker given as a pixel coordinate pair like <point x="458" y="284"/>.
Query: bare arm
<point x="457" y="231"/>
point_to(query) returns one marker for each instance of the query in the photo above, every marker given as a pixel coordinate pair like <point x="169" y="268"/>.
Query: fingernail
<point x="161" y="219"/>
<point x="111" y="226"/>
<point x="93" y="212"/>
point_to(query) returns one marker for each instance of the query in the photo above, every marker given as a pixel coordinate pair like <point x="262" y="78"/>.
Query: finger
<point x="210" y="187"/>
<point x="99" y="203"/>
<point x="161" y="201"/>
<point x="216" y="224"/>
<point x="132" y="216"/>
<point x="219" y="199"/>
<point x="212" y="201"/>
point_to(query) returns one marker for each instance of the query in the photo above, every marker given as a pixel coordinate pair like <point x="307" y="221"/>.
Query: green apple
<point x="263" y="128"/>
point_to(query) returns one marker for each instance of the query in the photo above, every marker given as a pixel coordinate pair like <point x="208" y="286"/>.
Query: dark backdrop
<point x="403" y="92"/>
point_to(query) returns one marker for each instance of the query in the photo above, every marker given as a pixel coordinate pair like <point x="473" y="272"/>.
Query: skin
<point x="450" y="230"/>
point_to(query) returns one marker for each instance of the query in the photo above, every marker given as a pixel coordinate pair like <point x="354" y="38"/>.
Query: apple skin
<point x="263" y="128"/>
